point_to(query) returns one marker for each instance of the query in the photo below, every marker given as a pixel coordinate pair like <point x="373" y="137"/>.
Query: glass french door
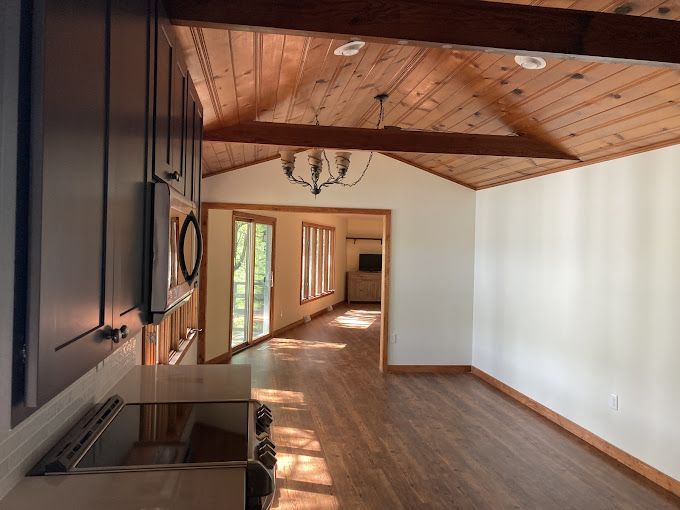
<point x="252" y="279"/>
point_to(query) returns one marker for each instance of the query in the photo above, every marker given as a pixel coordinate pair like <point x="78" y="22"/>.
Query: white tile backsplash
<point x="24" y="445"/>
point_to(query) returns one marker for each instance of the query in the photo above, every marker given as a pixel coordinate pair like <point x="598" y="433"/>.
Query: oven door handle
<point x="190" y="277"/>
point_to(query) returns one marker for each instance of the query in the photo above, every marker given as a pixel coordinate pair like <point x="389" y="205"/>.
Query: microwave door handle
<point x="190" y="277"/>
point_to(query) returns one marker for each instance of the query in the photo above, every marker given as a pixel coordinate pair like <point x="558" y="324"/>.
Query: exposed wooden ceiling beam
<point x="384" y="140"/>
<point x="462" y="24"/>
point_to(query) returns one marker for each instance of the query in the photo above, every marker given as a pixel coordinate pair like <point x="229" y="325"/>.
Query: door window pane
<point x="242" y="272"/>
<point x="262" y="279"/>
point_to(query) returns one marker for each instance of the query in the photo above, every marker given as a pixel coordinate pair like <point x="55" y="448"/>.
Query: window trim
<point x="304" y="264"/>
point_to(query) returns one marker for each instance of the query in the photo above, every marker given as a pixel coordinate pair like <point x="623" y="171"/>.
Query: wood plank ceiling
<point x="596" y="111"/>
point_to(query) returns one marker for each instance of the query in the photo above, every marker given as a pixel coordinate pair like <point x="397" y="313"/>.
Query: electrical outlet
<point x="393" y="338"/>
<point x="614" y="401"/>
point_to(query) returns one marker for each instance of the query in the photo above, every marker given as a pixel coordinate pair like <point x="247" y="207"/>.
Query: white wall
<point x="288" y="244"/>
<point x="577" y="295"/>
<point x="432" y="246"/>
<point x="362" y="227"/>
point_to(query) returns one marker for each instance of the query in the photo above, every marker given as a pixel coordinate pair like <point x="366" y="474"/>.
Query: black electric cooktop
<point x="169" y="434"/>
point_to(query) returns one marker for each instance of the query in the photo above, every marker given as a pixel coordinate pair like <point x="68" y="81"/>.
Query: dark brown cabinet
<point x="69" y="280"/>
<point x="87" y="188"/>
<point x="111" y="109"/>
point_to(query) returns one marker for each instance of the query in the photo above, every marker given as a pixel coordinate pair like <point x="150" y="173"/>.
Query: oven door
<point x="177" y="251"/>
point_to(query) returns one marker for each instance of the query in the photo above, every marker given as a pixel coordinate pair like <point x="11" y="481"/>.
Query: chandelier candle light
<point x="316" y="158"/>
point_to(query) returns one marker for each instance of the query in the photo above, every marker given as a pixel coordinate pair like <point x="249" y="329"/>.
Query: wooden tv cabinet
<point x="364" y="286"/>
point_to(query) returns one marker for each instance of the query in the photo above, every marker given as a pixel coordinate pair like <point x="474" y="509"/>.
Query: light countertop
<point x="184" y="383"/>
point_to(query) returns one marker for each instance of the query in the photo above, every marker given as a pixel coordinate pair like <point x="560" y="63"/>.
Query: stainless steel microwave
<point x="177" y="251"/>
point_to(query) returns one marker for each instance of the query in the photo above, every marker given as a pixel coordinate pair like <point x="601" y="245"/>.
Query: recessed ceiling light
<point x="402" y="41"/>
<point x="350" y="49"/>
<point x="528" y="62"/>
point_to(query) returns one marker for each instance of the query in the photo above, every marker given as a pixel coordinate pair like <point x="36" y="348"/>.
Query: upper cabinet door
<point x="169" y="111"/>
<point x="193" y="142"/>
<point x="128" y="99"/>
<point x="69" y="308"/>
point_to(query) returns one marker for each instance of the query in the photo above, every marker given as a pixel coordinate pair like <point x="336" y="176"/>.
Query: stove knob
<point x="261" y="450"/>
<point x="268" y="459"/>
<point x="261" y="436"/>
<point x="261" y="411"/>
<point x="264" y="421"/>
<point x="267" y="442"/>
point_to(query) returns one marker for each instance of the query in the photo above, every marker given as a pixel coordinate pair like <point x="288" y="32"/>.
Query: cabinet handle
<point x="117" y="334"/>
<point x="175" y="176"/>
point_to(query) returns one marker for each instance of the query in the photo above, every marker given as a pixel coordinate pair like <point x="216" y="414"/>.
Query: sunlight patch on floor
<point x="289" y="499"/>
<point x="268" y="395"/>
<point x="303" y="468"/>
<point x="291" y="343"/>
<point x="356" y="319"/>
<point x="292" y="437"/>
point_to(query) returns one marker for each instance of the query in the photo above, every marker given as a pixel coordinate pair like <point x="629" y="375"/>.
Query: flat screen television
<point x="370" y="262"/>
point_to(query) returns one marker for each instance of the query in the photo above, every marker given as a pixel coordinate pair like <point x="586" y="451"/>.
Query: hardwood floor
<point x="350" y="437"/>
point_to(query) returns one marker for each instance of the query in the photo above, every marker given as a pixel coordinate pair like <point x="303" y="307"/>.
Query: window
<point x="317" y="271"/>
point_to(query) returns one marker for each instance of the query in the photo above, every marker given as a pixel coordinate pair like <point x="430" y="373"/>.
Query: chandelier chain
<point x="335" y="179"/>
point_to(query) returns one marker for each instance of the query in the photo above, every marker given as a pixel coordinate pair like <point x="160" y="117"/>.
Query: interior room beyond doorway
<point x="270" y="268"/>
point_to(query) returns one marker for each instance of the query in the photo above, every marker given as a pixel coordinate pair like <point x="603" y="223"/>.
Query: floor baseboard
<point x="654" y="475"/>
<point x="428" y="369"/>
<point x="219" y="360"/>
<point x="300" y="322"/>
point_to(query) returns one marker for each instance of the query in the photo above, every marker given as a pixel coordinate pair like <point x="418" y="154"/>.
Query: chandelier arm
<point x="298" y="180"/>
<point x="337" y="180"/>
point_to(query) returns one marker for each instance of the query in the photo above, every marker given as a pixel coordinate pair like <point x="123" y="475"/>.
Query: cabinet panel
<point x="193" y="139"/>
<point x="169" y="112"/>
<point x="129" y="32"/>
<point x="69" y="283"/>
<point x="163" y="105"/>
<point x="198" y="158"/>
<point x="177" y="125"/>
